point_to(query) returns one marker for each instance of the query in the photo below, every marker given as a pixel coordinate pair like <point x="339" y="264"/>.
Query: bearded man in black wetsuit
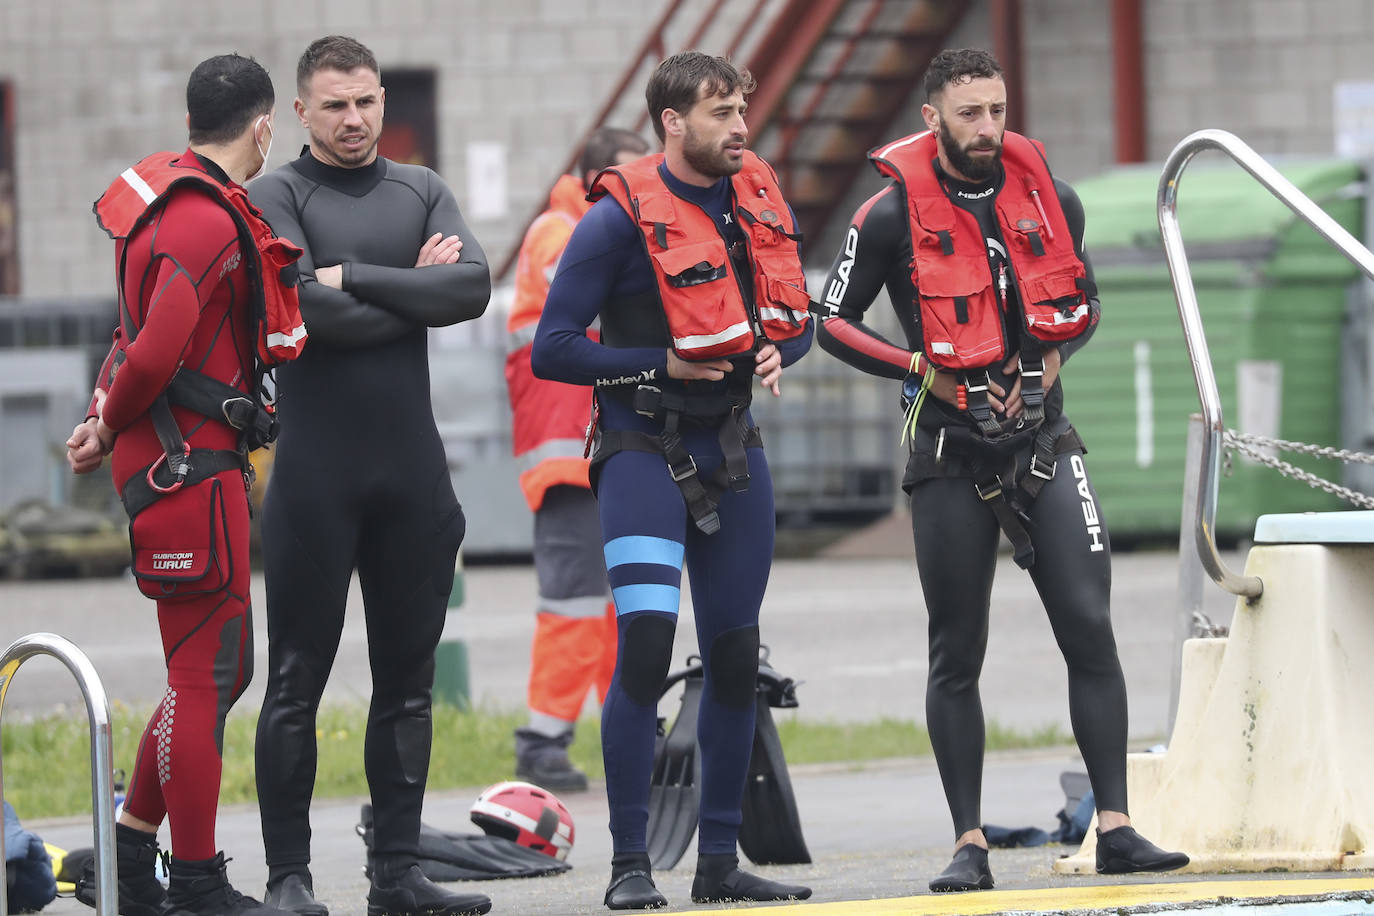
<point x="360" y="480"/>
<point x="981" y="250"/>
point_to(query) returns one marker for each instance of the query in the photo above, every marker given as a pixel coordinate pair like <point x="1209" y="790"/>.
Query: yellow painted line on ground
<point x="1098" y="896"/>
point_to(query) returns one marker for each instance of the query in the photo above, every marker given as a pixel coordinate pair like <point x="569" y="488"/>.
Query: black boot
<point x="544" y="761"/>
<point x="967" y="871"/>
<point x="140" y="893"/>
<point x="202" y="886"/>
<point x="632" y="883"/>
<point x="1122" y="851"/>
<point x="293" y="890"/>
<point x="720" y="880"/>
<point x="401" y="889"/>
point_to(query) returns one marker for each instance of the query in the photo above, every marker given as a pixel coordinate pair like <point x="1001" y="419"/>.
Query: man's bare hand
<point x="768" y="367"/>
<point x="440" y="249"/>
<point x="711" y="370"/>
<point x="84" y="450"/>
<point x="330" y="276"/>
<point x="1014" y="405"/>
<point x="90" y="441"/>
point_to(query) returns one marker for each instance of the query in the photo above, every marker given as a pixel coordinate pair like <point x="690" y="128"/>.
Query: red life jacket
<point x="709" y="312"/>
<point x="958" y="298"/>
<point x="139" y="192"/>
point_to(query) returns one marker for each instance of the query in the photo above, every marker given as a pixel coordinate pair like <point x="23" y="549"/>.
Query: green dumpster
<point x="1273" y="297"/>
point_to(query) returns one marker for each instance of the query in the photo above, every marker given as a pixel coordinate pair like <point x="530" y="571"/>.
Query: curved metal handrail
<point x="1198" y="354"/>
<point x="102" y="756"/>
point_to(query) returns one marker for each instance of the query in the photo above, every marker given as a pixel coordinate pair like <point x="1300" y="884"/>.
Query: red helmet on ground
<point x="525" y="814"/>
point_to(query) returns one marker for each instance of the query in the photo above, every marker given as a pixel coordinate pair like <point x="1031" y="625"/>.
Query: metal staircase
<point x="832" y="76"/>
<point x="814" y="120"/>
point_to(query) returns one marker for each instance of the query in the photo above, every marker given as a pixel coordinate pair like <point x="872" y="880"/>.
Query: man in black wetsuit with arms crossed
<point x="981" y="250"/>
<point x="360" y="479"/>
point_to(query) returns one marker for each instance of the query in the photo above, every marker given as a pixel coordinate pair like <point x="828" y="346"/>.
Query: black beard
<point x="971" y="168"/>
<point x="713" y="163"/>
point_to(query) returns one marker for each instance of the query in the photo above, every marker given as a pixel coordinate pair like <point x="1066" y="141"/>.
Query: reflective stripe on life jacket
<point x="140" y="191"/>
<point x="956" y="293"/>
<point x="711" y="311"/>
<point x="548" y="419"/>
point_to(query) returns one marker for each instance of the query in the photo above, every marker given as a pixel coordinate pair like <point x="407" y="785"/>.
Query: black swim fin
<point x="445" y="856"/>
<point x="675" y="786"/>
<point x="770" y="832"/>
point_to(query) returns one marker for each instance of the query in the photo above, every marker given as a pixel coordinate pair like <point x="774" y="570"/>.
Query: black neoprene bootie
<point x="140" y="893"/>
<point x="202" y="886"/>
<point x="967" y="871"/>
<point x="720" y="880"/>
<point x="401" y="889"/>
<point x="543" y="760"/>
<point x="632" y="883"/>
<point x="1122" y="851"/>
<point x="294" y="891"/>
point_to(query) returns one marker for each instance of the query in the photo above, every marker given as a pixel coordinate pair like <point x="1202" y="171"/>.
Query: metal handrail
<point x="102" y="756"/>
<point x="1210" y="454"/>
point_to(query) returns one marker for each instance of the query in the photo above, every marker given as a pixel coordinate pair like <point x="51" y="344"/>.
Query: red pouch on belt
<point x="180" y="543"/>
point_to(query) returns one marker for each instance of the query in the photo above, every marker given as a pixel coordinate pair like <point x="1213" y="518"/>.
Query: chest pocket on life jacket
<point x="956" y="299"/>
<point x="779" y="286"/>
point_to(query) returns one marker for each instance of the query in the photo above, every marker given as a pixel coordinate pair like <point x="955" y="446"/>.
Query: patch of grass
<point x="47" y="760"/>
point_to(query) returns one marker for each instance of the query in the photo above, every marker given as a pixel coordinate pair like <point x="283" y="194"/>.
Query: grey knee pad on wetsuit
<point x="644" y="661"/>
<point x="735" y="666"/>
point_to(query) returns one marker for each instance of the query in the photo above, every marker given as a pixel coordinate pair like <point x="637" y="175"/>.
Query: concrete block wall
<point x="98" y="83"/>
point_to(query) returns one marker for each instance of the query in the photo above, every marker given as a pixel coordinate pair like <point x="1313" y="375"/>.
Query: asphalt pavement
<point x="850" y="628"/>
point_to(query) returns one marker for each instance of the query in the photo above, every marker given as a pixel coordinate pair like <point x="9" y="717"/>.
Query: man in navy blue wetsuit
<point x="689" y="259"/>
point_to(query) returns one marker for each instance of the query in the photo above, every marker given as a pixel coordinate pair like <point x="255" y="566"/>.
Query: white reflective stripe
<point x="579" y="608"/>
<point x="521" y="337"/>
<point x="700" y="341"/>
<point x="135" y="181"/>
<point x="788" y="315"/>
<point x="550" y="448"/>
<point x="1060" y="318"/>
<point x="524" y="822"/>
<point x="285" y="339"/>
<point x="887" y="150"/>
<point x="549" y="726"/>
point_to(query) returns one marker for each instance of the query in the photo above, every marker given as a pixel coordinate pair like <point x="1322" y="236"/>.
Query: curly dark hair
<point x="333" y="52"/>
<point x="959" y="65"/>
<point x="224" y="95"/>
<point x="677" y="82"/>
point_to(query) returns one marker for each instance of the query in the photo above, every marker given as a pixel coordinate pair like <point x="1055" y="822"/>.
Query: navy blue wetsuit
<point x="647" y="530"/>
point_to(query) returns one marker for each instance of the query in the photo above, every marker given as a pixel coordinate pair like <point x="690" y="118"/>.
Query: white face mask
<point x="264" y="153"/>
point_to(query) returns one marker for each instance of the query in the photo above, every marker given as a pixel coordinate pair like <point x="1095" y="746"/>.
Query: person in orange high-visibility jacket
<point x="575" y="633"/>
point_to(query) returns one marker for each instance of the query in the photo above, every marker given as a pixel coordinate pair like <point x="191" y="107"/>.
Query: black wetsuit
<point x="957" y="535"/>
<point x="360" y="480"/>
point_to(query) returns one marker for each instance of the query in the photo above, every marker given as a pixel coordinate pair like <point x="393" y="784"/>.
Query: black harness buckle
<point x="1042" y="468"/>
<point x="989" y="490"/>
<point x="681" y="471"/>
<point x="648" y="400"/>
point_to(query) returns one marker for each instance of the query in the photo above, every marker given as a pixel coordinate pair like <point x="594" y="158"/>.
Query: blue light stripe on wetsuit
<point x="640" y="548"/>
<point x="644" y="550"/>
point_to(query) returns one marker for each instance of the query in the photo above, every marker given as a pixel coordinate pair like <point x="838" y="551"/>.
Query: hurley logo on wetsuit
<point x="646" y="376"/>
<point x="230" y="263"/>
<point x="1091" y="520"/>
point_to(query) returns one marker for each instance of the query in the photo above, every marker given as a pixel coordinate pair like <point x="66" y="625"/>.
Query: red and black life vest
<point x="141" y="190"/>
<point x="956" y="293"/>
<point x="709" y="311"/>
<point x="277" y="328"/>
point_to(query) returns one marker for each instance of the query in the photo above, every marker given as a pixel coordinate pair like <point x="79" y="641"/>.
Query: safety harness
<point x="277" y="329"/>
<point x="727" y="413"/>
